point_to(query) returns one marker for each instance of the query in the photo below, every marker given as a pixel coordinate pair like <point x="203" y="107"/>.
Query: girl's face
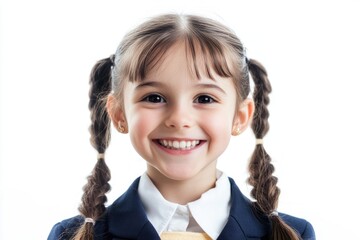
<point x="178" y="123"/>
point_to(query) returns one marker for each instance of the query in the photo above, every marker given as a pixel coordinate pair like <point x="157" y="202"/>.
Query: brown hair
<point x="139" y="52"/>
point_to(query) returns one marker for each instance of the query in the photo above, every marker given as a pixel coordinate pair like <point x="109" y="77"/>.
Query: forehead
<point x="175" y="72"/>
<point x="195" y="59"/>
<point x="176" y="61"/>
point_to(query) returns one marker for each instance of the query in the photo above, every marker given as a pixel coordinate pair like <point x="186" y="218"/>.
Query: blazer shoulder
<point x="302" y="226"/>
<point x="65" y="229"/>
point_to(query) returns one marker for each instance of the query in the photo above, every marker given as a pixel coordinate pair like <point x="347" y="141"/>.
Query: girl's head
<point x="193" y="68"/>
<point x="158" y="69"/>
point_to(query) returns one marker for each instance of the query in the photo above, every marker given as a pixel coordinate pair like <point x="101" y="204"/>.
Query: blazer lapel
<point x="243" y="222"/>
<point x="127" y="218"/>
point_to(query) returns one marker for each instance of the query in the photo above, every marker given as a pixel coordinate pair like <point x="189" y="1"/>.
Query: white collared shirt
<point x="208" y="214"/>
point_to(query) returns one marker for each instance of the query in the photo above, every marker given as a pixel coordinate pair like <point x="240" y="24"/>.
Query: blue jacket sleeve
<point x="56" y="232"/>
<point x="303" y="227"/>
<point x="66" y="229"/>
<point x="308" y="233"/>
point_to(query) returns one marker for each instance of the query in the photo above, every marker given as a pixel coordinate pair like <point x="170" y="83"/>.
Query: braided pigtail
<point x="261" y="169"/>
<point x="93" y="199"/>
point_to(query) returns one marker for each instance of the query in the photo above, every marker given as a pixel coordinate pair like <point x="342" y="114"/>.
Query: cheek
<point x="219" y="124"/>
<point x="141" y="123"/>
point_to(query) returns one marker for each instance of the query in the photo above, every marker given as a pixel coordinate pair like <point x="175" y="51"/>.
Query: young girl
<point x="179" y="86"/>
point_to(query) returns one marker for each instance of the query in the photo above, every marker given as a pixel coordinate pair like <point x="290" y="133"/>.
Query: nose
<point x="179" y="117"/>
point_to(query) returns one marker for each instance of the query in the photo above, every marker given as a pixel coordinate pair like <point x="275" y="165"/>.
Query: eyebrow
<point x="149" y="84"/>
<point x="159" y="84"/>
<point x="212" y="86"/>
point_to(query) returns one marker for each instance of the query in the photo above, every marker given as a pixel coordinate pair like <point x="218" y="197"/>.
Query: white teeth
<point x="179" y="144"/>
<point x="176" y="144"/>
<point x="182" y="144"/>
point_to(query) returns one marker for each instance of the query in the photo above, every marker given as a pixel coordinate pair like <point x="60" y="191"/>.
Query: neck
<point x="182" y="191"/>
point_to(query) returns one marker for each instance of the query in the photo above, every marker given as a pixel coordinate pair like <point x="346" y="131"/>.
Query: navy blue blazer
<point x="126" y="219"/>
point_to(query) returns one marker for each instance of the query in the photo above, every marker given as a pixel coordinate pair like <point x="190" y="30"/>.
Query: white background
<point x="311" y="50"/>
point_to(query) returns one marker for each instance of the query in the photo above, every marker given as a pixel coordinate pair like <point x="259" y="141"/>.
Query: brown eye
<point x="154" y="98"/>
<point x="204" y="99"/>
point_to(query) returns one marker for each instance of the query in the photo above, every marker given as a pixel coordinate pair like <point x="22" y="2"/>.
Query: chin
<point x="178" y="174"/>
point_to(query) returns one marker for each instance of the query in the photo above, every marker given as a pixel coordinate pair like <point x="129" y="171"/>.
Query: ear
<point x="116" y="113"/>
<point x="243" y="116"/>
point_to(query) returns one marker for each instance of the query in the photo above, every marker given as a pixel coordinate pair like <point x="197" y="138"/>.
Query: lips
<point x="179" y="144"/>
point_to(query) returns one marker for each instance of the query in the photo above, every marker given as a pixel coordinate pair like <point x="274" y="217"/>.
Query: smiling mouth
<point x="179" y="144"/>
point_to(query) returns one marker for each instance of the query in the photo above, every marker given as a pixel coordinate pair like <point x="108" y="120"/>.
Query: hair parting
<point x="265" y="191"/>
<point x="94" y="198"/>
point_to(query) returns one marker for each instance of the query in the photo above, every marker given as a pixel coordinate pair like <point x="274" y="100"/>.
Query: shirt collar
<point x="158" y="210"/>
<point x="211" y="211"/>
